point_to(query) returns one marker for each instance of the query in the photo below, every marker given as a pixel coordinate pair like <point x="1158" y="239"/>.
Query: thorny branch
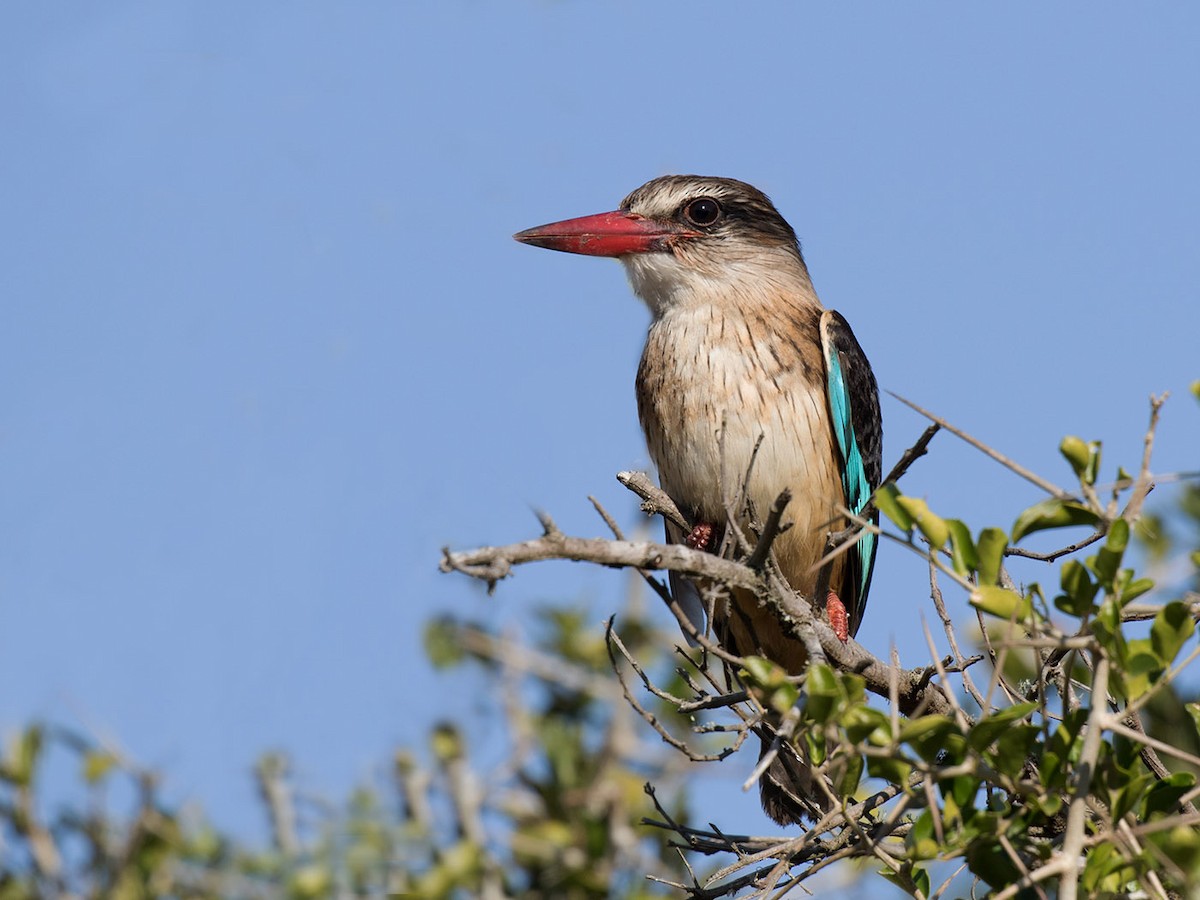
<point x="876" y="826"/>
<point x="490" y="564"/>
<point x="1049" y="487"/>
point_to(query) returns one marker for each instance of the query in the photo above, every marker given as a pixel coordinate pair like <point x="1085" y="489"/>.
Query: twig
<point x="1048" y="486"/>
<point x="608" y="519"/>
<point x="1073" y="840"/>
<point x="771" y="530"/>
<point x="413" y="782"/>
<point x="544" y="666"/>
<point x="272" y="773"/>
<point x="655" y="501"/>
<point x="1145" y="481"/>
<point x="935" y="593"/>
<point x="912" y="454"/>
<point x="1056" y="554"/>
<point x="492" y="564"/>
<point x="613" y="640"/>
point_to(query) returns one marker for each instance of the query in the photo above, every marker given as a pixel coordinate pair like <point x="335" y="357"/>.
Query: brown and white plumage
<point x="742" y="363"/>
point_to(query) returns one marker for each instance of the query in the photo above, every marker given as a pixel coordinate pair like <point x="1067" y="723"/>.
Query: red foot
<point x="839" y="619"/>
<point x="700" y="536"/>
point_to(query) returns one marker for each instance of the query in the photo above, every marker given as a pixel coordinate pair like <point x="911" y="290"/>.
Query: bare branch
<point x="608" y="519"/>
<point x="489" y="564"/>
<point x="492" y="564"/>
<point x="1072" y="848"/>
<point x="1056" y="554"/>
<point x="655" y="501"/>
<point x="771" y="530"/>
<point x="613" y="640"/>
<point x="1048" y="486"/>
<point x="1145" y="480"/>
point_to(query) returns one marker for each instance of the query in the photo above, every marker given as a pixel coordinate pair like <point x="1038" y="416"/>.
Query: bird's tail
<point x="788" y="789"/>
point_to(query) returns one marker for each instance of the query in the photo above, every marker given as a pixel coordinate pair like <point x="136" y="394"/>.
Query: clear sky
<point x="266" y="344"/>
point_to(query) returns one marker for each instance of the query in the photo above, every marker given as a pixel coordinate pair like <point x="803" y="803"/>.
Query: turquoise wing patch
<point x="845" y="409"/>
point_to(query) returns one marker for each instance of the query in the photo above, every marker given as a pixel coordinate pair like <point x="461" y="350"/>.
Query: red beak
<point x="604" y="234"/>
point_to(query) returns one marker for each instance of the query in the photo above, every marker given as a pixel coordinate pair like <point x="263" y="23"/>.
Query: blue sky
<point x="267" y="344"/>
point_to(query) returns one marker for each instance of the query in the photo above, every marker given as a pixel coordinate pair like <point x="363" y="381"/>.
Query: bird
<point x="746" y="380"/>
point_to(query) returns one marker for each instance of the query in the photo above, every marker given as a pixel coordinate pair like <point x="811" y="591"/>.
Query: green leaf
<point x="818" y="747"/>
<point x="784" y="697"/>
<point x="987" y="730"/>
<point x="1132" y="589"/>
<point x="1196" y="389"/>
<point x="1117" y="538"/>
<point x="847" y="785"/>
<point x="922" y="839"/>
<point x="1052" y="513"/>
<point x="1106" y="626"/>
<point x="925" y="726"/>
<point x="863" y="722"/>
<point x="932" y="736"/>
<point x="773" y="686"/>
<point x="931" y="525"/>
<point x="854" y="687"/>
<point x="988" y="859"/>
<point x="1093" y="469"/>
<point x="887" y="501"/>
<point x="1101" y="864"/>
<point x="446" y="741"/>
<point x="1063" y="748"/>
<point x="963" y="554"/>
<point x="1033" y="592"/>
<point x="1128" y="794"/>
<point x="1084" y="457"/>
<point x="962" y="789"/>
<point x="920" y="877"/>
<point x="1001" y="603"/>
<point x="1014" y="746"/>
<point x="23" y="755"/>
<point x="990" y="547"/>
<point x="1079" y="591"/>
<point x="823" y="692"/>
<point x="1048" y="804"/>
<point x="443" y="645"/>
<point x="907" y="879"/>
<point x="822" y="680"/>
<point x="1142" y="667"/>
<point x="1172" y="627"/>
<point x="458" y="865"/>
<point x="96" y="765"/>
<point x="1181" y="845"/>
<point x="895" y="771"/>
<point x="1161" y="799"/>
<point x="1108" y="560"/>
<point x="758" y="669"/>
<point x="310" y="881"/>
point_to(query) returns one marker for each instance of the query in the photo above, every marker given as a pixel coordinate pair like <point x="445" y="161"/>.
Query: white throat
<point x="666" y="282"/>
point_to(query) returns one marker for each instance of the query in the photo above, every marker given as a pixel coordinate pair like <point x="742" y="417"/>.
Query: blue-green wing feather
<point x="857" y="429"/>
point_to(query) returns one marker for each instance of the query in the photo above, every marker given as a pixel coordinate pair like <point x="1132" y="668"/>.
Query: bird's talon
<point x="839" y="619"/>
<point x="700" y="537"/>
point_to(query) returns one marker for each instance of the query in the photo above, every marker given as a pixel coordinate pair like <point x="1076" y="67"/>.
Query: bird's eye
<point x="702" y="212"/>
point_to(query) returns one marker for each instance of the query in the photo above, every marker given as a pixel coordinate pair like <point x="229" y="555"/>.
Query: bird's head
<point x="687" y="239"/>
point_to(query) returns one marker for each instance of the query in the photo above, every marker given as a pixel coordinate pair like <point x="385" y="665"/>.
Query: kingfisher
<point x="746" y="382"/>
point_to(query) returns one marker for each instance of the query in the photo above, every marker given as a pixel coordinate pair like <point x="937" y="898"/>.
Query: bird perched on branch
<point x="744" y="371"/>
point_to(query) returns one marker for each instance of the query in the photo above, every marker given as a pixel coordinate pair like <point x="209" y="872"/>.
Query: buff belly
<point x="703" y="419"/>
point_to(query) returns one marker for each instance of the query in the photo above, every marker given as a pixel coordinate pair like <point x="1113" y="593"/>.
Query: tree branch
<point x="490" y="564"/>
